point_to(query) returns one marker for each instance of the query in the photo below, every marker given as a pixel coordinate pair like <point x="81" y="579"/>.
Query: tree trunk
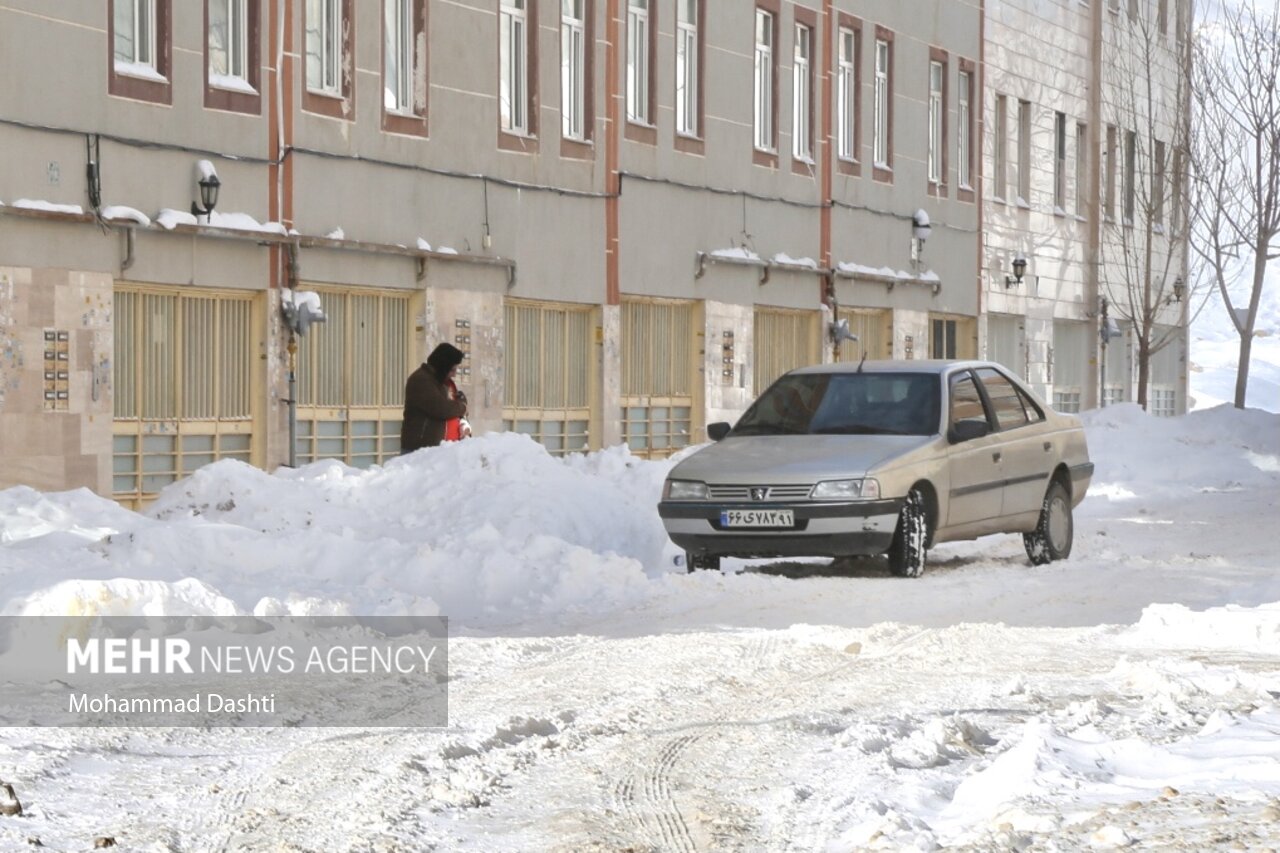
<point x="1242" y="369"/>
<point x="1144" y="371"/>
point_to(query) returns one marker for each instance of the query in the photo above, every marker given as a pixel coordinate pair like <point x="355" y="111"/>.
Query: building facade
<point x="631" y="215"/>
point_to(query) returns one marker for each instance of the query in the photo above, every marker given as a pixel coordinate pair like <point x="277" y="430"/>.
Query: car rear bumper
<point x="821" y="529"/>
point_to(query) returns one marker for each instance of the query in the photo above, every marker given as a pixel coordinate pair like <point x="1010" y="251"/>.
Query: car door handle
<point x="1048" y="446"/>
<point x="995" y="457"/>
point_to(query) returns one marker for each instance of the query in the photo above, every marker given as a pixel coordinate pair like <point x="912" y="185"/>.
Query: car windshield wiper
<point x="859" y="429"/>
<point x="767" y="429"/>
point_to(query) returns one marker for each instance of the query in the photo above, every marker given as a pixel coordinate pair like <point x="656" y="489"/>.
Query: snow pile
<point x="489" y="529"/>
<point x="126" y="214"/>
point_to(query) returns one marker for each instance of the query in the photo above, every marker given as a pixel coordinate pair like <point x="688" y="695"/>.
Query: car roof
<point x="924" y="365"/>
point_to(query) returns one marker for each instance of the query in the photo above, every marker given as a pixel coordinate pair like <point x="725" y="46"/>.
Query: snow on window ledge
<point x="141" y="70"/>
<point x="231" y="83"/>
<point x="1022" y="203"/>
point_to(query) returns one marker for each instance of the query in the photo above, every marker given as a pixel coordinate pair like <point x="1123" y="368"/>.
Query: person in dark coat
<point x="428" y="403"/>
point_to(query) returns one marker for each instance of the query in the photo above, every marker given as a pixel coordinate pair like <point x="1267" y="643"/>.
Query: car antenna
<point x="864" y="360"/>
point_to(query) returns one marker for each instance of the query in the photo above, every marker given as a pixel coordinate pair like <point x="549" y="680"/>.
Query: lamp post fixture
<point x="1019" y="270"/>
<point x="1179" y="290"/>
<point x="209" y="185"/>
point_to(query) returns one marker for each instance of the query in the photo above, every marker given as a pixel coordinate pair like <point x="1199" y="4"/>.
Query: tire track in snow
<point x="647" y="799"/>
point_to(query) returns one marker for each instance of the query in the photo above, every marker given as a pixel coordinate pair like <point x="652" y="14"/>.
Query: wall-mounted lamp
<point x="1019" y="270"/>
<point x="1179" y="290"/>
<point x="209" y="186"/>
<point x="920" y="231"/>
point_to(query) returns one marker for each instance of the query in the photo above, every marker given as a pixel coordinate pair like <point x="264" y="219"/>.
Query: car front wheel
<point x="911" y="538"/>
<point x="1051" y="540"/>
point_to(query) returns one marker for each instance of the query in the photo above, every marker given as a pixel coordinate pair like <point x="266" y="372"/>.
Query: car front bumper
<point x="822" y="528"/>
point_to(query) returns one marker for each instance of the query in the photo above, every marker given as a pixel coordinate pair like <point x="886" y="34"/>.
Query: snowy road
<point x="1127" y="697"/>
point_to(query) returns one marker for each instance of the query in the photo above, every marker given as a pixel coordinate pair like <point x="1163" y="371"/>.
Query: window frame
<point x="966" y="92"/>
<point x="218" y="97"/>
<point x="123" y="84"/>
<point x="1158" y="157"/>
<point x="803" y="76"/>
<point x="1129" y="188"/>
<point x="575" y="62"/>
<point x="339" y="104"/>
<point x="689" y="140"/>
<point x="936" y="155"/>
<point x="1000" y="150"/>
<point x="882" y="109"/>
<point x="413" y="121"/>
<point x="764" y="137"/>
<point x="1023" y="197"/>
<point x="1082" y="169"/>
<point x="519" y="137"/>
<point x="1059" y="163"/>
<point x="848" y="93"/>
<point x="641" y="128"/>
<point x="1109" y="191"/>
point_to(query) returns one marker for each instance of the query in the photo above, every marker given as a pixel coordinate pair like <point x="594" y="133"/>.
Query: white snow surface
<point x="602" y="699"/>
<point x="128" y="214"/>
<point x="52" y="207"/>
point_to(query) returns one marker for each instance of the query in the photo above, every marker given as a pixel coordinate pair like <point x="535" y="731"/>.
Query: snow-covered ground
<point x="602" y="699"/>
<point x="1215" y="353"/>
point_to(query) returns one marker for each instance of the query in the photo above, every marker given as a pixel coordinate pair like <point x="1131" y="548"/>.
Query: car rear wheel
<point x="911" y="538"/>
<point x="1051" y="540"/>
<point x="695" y="561"/>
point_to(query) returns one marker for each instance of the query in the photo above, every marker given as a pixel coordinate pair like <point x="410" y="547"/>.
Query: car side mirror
<point x="967" y="430"/>
<point x="718" y="430"/>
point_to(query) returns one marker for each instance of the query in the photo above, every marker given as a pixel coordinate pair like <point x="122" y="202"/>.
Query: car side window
<point x="1035" y="414"/>
<point x="1005" y="399"/>
<point x="966" y="403"/>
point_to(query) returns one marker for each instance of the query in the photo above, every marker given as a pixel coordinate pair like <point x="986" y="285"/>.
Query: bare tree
<point x="1143" y="243"/>
<point x="1236" y="159"/>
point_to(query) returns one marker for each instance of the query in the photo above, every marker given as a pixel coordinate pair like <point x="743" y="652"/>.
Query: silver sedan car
<point x="883" y="457"/>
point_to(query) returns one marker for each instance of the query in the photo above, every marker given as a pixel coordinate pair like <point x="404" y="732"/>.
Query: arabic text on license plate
<point x="757" y="518"/>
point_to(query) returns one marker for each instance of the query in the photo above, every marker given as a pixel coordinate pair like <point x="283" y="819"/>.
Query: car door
<point x="976" y="465"/>
<point x="1025" y="449"/>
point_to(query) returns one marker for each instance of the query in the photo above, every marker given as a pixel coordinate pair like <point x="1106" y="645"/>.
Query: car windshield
<point x="845" y="404"/>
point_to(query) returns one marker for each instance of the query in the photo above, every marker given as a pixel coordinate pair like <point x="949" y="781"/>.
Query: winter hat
<point x="444" y="358"/>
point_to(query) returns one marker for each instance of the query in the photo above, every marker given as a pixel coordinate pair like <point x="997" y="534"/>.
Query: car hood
<point x="793" y="458"/>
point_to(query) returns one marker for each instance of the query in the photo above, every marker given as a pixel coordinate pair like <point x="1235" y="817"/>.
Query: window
<point x="351" y="374"/>
<point x="1059" y="163"/>
<point x="1070" y="364"/>
<point x="765" y="74"/>
<point x="513" y="71"/>
<point x="232" y="63"/>
<point x="572" y="70"/>
<point x="638" y="63"/>
<point x="1001" y="148"/>
<point x="1082" y="168"/>
<point x="1157" y="188"/>
<point x="937" y="133"/>
<point x="1175" y="214"/>
<point x="942" y="343"/>
<point x="801" y="95"/>
<point x="324" y="46"/>
<point x="1130" y="167"/>
<point x="1024" y="153"/>
<point x="228" y="43"/>
<point x="847" y="86"/>
<point x="1133" y="10"/>
<point x="548" y="373"/>
<point x="404" y="70"/>
<point x="688" y="68"/>
<point x="329" y="47"/>
<point x="966" y="402"/>
<point x="964" y="121"/>
<point x="1162" y="16"/>
<point x="659" y="366"/>
<point x="882" y="153"/>
<point x="1006" y="401"/>
<point x="140" y="35"/>
<point x="1111" y="152"/>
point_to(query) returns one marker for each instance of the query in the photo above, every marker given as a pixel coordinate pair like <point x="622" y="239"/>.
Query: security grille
<point x="548" y="374"/>
<point x="181" y="386"/>
<point x="657" y="376"/>
<point x="875" y="334"/>
<point x="784" y="340"/>
<point x="351" y="372"/>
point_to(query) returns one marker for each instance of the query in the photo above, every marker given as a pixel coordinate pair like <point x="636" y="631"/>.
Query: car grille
<point x="771" y="493"/>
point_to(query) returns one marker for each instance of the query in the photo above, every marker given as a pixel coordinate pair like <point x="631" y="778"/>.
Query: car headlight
<point x="685" y="490"/>
<point x="846" y="490"/>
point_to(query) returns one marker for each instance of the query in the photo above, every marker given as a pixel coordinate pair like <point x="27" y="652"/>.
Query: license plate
<point x="757" y="518"/>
